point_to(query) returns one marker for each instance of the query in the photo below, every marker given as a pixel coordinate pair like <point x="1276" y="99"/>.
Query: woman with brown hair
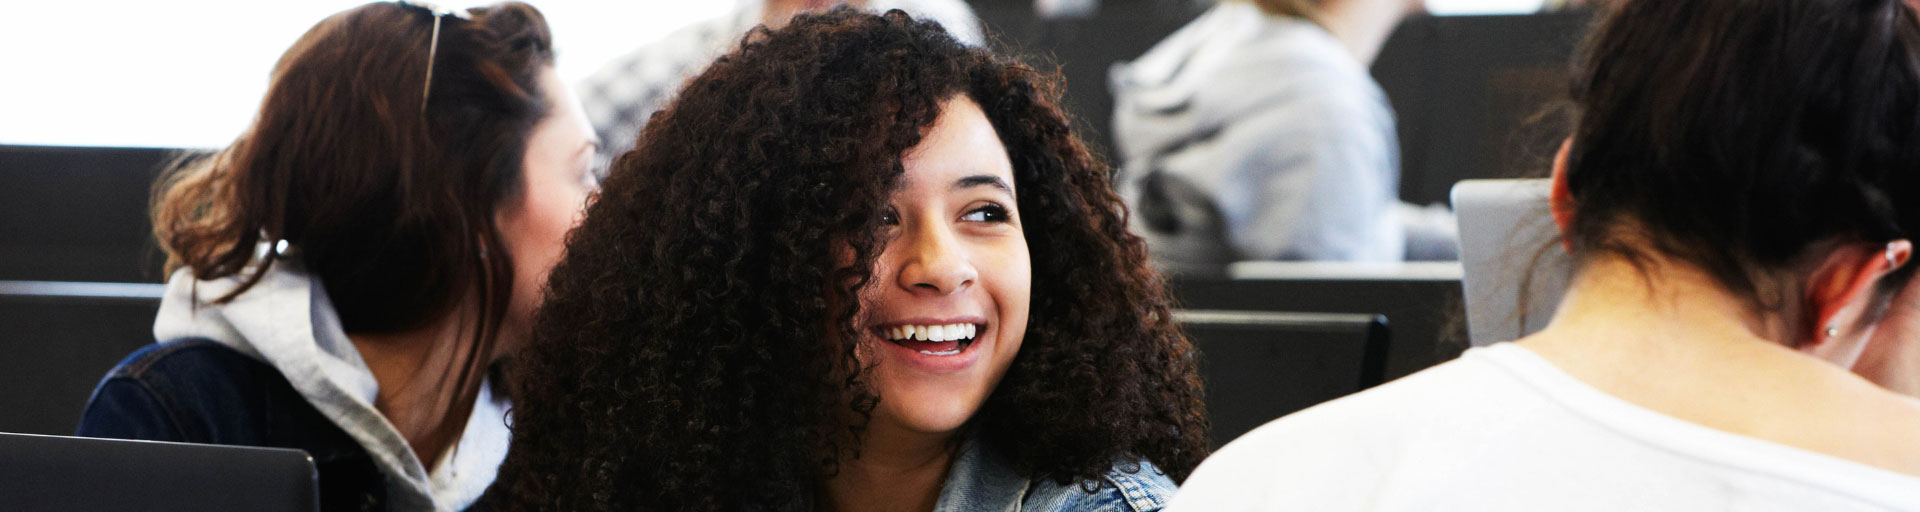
<point x="857" y="266"/>
<point x="346" y="274"/>
<point x="1739" y="197"/>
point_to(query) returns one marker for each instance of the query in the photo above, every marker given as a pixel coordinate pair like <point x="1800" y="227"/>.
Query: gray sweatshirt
<point x="1245" y="136"/>
<point x="287" y="321"/>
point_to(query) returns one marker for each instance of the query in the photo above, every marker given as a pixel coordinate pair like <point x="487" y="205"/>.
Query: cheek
<point x="1010" y="282"/>
<point x="535" y="234"/>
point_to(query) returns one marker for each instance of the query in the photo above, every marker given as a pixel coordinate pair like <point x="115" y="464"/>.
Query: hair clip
<point x="436" y="9"/>
<point x="433" y="44"/>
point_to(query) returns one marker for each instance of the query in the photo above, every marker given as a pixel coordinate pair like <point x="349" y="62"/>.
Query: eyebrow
<point x="981" y="180"/>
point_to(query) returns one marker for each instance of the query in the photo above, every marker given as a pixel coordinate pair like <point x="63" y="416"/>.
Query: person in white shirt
<point x="1739" y="196"/>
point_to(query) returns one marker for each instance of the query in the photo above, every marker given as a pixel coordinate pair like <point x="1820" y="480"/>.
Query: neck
<point x="1664" y="303"/>
<point x="896" y="470"/>
<point x="418" y="372"/>
<point x="1362" y="26"/>
<point x="1673" y="341"/>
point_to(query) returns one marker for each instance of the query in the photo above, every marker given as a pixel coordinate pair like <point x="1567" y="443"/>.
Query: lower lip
<point x="937" y="364"/>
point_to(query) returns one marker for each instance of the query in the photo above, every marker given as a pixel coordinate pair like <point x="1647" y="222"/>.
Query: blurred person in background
<point x="1256" y="133"/>
<point x="622" y="95"/>
<point x="346" y="274"/>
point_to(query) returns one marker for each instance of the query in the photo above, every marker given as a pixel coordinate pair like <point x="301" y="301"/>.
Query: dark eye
<point x="988" y="213"/>
<point x="891" y="217"/>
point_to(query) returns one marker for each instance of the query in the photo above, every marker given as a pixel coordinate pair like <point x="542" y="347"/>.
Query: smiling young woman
<point x="858" y="266"/>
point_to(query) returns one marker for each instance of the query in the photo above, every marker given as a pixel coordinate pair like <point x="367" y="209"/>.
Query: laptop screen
<point x="1508" y="242"/>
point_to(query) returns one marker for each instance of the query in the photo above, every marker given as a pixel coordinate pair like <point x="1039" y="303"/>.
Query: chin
<point x="925" y="409"/>
<point x="927" y="421"/>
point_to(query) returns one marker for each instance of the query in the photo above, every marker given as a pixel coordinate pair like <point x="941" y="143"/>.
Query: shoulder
<point x="179" y="359"/>
<point x="1342" y="452"/>
<point x="1127" y="487"/>
<point x="177" y="391"/>
<point x="193" y="365"/>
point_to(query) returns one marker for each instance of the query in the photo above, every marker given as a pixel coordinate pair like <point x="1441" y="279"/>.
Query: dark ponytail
<point x="1736" y="134"/>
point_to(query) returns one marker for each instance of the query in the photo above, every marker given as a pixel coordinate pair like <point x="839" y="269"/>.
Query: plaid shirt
<point x="623" y="95"/>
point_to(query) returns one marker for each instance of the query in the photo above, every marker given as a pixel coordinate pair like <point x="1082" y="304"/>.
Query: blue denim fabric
<point x="199" y="391"/>
<point x="980" y="480"/>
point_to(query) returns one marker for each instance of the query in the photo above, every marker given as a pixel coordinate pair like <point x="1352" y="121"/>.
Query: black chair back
<point x="1259" y="366"/>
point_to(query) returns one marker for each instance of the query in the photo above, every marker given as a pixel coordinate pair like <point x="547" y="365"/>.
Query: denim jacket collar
<point x="981" y="480"/>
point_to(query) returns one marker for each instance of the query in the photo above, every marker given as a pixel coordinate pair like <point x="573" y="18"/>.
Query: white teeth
<point x="950" y="332"/>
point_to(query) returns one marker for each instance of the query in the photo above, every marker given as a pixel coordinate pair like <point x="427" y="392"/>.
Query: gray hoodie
<point x="287" y="321"/>
<point x="1245" y="136"/>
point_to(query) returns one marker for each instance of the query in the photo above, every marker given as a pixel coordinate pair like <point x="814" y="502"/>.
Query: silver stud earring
<point x="1832" y="331"/>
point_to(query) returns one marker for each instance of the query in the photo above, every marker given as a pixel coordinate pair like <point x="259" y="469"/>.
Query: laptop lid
<point x="1508" y="242"/>
<point x="1420" y="300"/>
<point x="76" y="473"/>
<point x="1259" y="366"/>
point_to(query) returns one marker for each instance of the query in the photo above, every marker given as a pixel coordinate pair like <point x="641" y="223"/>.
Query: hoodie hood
<point x="287" y="321"/>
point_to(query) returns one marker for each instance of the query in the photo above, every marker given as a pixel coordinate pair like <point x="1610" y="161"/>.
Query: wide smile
<point x="934" y="340"/>
<point x="937" y="346"/>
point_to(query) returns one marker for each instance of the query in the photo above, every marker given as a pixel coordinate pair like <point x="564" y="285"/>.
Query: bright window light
<point x="1463" y="7"/>
<point x="191" y="73"/>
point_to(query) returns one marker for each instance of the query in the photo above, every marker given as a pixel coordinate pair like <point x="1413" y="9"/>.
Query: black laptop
<point x="76" y="473"/>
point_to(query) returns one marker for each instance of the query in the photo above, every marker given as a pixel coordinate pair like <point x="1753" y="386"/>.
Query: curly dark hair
<point x="686" y="358"/>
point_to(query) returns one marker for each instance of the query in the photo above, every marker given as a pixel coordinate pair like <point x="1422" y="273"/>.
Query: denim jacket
<point x="200" y="391"/>
<point x="980" y="480"/>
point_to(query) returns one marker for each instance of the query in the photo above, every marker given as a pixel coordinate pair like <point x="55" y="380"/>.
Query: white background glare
<point x="189" y="73"/>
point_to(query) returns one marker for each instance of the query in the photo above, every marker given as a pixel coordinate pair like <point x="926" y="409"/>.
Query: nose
<point x="934" y="262"/>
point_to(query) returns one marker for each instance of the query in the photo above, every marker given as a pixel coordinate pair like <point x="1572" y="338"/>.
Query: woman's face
<point x="947" y="307"/>
<point x="556" y="180"/>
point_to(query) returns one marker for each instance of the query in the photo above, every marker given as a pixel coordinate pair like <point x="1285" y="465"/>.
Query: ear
<point x="1559" y="200"/>
<point x="1840" y="294"/>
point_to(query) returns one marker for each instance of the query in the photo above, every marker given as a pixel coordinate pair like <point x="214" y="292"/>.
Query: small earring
<point x="1891" y="261"/>
<point x="1832" y="331"/>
